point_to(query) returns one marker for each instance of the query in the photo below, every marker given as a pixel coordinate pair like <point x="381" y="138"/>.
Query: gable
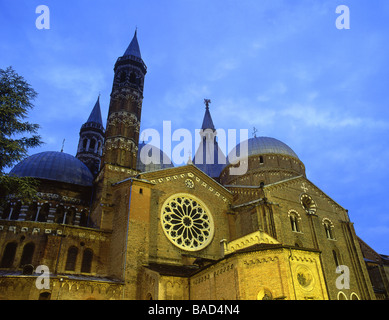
<point x="301" y="185"/>
<point x="189" y="178"/>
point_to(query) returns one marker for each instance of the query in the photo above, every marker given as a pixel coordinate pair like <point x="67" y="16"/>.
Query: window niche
<point x="294" y="219"/>
<point x="308" y="204"/>
<point x="87" y="257"/>
<point x="328" y="229"/>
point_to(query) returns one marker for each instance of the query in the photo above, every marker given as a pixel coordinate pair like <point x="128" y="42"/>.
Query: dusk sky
<point x="281" y="66"/>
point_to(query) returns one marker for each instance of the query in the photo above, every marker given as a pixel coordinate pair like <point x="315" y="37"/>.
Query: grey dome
<point x="53" y="165"/>
<point x="157" y="160"/>
<point x="266" y="145"/>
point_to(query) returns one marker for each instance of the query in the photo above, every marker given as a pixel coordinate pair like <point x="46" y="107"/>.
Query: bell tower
<point x="91" y="140"/>
<point x="124" y="115"/>
<point x="119" y="155"/>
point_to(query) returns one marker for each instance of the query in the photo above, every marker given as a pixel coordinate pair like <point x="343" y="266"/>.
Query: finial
<point x="63" y="144"/>
<point x="255" y="132"/>
<point x="207" y="102"/>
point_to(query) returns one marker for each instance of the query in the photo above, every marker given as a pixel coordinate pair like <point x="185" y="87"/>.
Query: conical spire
<point x="133" y="48"/>
<point x="209" y="157"/>
<point x="207" y="122"/>
<point x="95" y="115"/>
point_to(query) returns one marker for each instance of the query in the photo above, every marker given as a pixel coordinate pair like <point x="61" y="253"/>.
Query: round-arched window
<point x="308" y="203"/>
<point x="187" y="222"/>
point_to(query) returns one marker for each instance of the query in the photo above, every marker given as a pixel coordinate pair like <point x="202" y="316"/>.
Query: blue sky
<point x="281" y="66"/>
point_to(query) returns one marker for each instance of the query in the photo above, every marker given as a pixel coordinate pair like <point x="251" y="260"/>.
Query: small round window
<point x="187" y="222"/>
<point x="308" y="204"/>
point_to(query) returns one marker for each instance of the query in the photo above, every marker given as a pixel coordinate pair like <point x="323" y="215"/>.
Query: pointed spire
<point x="95" y="115"/>
<point x="207" y="122"/>
<point x="133" y="48"/>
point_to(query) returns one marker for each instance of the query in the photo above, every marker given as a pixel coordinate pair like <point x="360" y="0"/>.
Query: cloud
<point x="183" y="97"/>
<point x="326" y="118"/>
<point x="77" y="86"/>
<point x="223" y="68"/>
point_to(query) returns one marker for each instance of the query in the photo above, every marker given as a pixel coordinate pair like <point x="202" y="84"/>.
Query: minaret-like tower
<point x="91" y="140"/>
<point x="124" y="115"/>
<point x="209" y="157"/>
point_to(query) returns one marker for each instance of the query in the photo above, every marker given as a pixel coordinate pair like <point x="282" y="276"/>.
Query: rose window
<point x="187" y="222"/>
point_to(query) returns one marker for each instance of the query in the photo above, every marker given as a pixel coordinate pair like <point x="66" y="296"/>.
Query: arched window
<point x="84" y="143"/>
<point x="294" y="218"/>
<point x="71" y="259"/>
<point x="87" y="258"/>
<point x="8" y="255"/>
<point x="328" y="227"/>
<point x="92" y="145"/>
<point x="28" y="253"/>
<point x="133" y="77"/>
<point x="294" y="223"/>
<point x="260" y="159"/>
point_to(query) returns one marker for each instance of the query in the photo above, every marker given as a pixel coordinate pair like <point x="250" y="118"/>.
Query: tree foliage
<point x="16" y="134"/>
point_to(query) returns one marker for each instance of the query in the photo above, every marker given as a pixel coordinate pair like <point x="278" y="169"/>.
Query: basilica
<point x="108" y="225"/>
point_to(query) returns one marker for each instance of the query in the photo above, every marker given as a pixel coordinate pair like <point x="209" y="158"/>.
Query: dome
<point x="266" y="145"/>
<point x="56" y="166"/>
<point x="157" y="156"/>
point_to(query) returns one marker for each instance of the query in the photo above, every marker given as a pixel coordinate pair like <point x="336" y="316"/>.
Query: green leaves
<point x="16" y="134"/>
<point x="15" y="102"/>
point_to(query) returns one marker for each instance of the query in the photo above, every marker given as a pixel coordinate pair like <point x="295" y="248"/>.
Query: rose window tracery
<point x="187" y="222"/>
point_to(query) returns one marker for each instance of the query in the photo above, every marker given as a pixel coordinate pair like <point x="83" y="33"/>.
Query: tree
<point x="16" y="134"/>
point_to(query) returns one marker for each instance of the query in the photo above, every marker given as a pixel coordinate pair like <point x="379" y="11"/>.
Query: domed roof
<point x="53" y="165"/>
<point x="266" y="145"/>
<point x="157" y="157"/>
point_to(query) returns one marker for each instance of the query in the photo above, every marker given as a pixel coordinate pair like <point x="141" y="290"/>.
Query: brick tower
<point x="91" y="140"/>
<point x="119" y="156"/>
<point x="124" y="115"/>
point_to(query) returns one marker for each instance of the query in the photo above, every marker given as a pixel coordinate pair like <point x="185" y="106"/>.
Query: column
<point x="38" y="210"/>
<point x="11" y="210"/>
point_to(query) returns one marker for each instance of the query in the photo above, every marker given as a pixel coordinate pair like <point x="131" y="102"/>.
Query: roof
<point x="56" y="166"/>
<point x="265" y="145"/>
<point x="95" y="115"/>
<point x="211" y="169"/>
<point x="133" y="48"/>
<point x="158" y="159"/>
<point x="207" y="121"/>
<point x="216" y="165"/>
